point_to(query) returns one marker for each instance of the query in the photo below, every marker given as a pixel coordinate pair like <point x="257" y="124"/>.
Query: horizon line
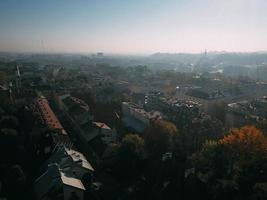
<point x="127" y="53"/>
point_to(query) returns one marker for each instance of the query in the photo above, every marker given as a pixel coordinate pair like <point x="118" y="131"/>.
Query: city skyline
<point x="137" y="26"/>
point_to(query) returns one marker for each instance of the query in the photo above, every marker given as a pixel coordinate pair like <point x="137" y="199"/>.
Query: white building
<point x="55" y="184"/>
<point x="135" y="117"/>
<point x="71" y="162"/>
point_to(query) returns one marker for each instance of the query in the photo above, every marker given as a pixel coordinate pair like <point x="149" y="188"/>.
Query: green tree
<point x="132" y="145"/>
<point x="9" y="121"/>
<point x="159" y="137"/>
<point x="130" y="154"/>
<point x="262" y="125"/>
<point x="200" y="129"/>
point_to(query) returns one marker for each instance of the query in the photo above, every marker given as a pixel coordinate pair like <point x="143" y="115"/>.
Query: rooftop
<point x="101" y="125"/>
<point x="70" y="181"/>
<point x="52" y="178"/>
<point x="48" y="115"/>
<point x="71" y="101"/>
<point x="79" y="158"/>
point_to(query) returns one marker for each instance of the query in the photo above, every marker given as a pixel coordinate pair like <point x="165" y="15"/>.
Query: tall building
<point x="100" y="54"/>
<point x="18" y="79"/>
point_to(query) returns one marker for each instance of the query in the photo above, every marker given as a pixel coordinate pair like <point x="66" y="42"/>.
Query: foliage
<point x="9" y="121"/>
<point x="9" y="132"/>
<point x="234" y="164"/>
<point x="3" y="77"/>
<point x="200" y="129"/>
<point x="247" y="139"/>
<point x="130" y="153"/>
<point x="262" y="125"/>
<point x="158" y="138"/>
<point x="132" y="145"/>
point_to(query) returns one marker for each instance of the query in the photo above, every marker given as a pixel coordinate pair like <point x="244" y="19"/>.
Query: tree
<point x="262" y="125"/>
<point x="233" y="165"/>
<point x="9" y="121"/>
<point x="130" y="153"/>
<point x="163" y="157"/>
<point x="9" y="144"/>
<point x="132" y="145"/>
<point x="200" y="129"/>
<point x="244" y="140"/>
<point x="158" y="137"/>
<point x="3" y="77"/>
<point x="15" y="182"/>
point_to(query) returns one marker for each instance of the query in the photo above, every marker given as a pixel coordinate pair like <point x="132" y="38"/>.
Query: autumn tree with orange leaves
<point x="234" y="166"/>
<point x="247" y="138"/>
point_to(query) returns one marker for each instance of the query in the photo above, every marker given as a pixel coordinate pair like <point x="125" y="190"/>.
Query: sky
<point x="132" y="26"/>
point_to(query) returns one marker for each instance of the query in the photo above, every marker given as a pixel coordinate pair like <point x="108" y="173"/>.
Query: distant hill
<point x="256" y="58"/>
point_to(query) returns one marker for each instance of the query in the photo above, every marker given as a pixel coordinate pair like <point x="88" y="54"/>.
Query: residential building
<point x="55" y="184"/>
<point x="136" y="118"/>
<point x="47" y="115"/>
<point x="71" y="162"/>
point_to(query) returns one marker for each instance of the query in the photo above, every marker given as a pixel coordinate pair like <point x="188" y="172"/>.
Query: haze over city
<point x="133" y="26"/>
<point x="133" y="99"/>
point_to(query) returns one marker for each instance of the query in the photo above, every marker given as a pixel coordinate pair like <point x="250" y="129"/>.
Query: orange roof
<point x="48" y="115"/>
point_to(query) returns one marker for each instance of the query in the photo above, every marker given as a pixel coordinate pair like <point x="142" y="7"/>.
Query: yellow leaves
<point x="159" y="136"/>
<point x="165" y="127"/>
<point x="3" y="77"/>
<point x="133" y="143"/>
<point x="133" y="138"/>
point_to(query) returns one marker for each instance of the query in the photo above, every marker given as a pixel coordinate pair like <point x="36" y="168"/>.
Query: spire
<point x="18" y="72"/>
<point x="18" y="81"/>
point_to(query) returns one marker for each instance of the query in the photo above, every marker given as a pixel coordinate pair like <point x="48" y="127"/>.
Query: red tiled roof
<point x="48" y="115"/>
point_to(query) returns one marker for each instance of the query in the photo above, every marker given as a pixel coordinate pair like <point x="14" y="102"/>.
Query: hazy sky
<point x="133" y="26"/>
